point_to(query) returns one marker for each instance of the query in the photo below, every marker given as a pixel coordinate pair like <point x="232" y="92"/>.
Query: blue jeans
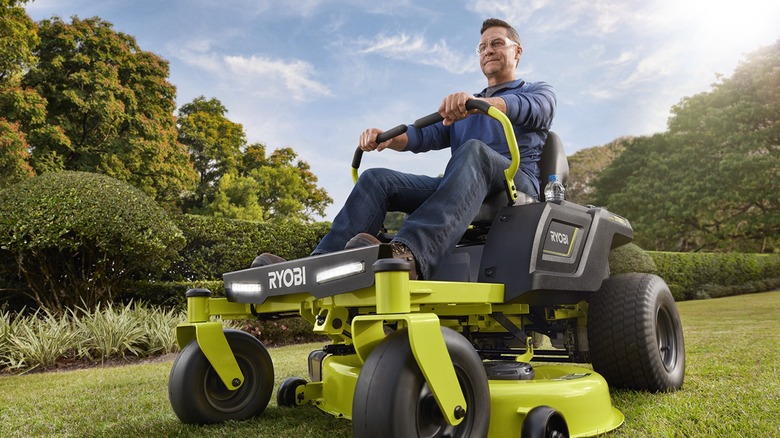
<point x="440" y="209"/>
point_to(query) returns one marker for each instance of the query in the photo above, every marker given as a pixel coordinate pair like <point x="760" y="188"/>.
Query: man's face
<point x="498" y="63"/>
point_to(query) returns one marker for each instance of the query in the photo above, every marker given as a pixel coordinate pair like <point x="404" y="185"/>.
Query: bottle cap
<point x="552" y="178"/>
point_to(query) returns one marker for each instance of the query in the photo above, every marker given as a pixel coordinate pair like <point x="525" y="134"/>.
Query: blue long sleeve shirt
<point x="529" y="106"/>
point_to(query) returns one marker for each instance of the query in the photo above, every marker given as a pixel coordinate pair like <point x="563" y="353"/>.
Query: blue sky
<point x="312" y="74"/>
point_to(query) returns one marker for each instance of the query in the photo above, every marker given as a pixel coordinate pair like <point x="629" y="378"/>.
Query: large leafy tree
<point x="244" y="182"/>
<point x="586" y="165"/>
<point x="711" y="181"/>
<point x="269" y="187"/>
<point x="214" y="143"/>
<point x="17" y="40"/>
<point x="109" y="108"/>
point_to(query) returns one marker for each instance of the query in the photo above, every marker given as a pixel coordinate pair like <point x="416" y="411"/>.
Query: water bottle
<point x="553" y="191"/>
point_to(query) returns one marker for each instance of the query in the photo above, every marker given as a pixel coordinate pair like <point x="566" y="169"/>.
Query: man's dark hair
<point x="495" y="22"/>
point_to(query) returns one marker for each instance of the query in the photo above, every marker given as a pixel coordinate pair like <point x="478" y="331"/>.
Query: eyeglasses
<point x="496" y="44"/>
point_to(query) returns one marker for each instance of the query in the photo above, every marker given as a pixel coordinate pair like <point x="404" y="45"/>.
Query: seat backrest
<point x="552" y="162"/>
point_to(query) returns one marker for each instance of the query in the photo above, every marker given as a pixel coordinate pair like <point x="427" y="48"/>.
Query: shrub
<point x="167" y="294"/>
<point x="75" y="237"/>
<point x="295" y="330"/>
<point x="712" y="275"/>
<point x="217" y="245"/>
<point x="630" y="258"/>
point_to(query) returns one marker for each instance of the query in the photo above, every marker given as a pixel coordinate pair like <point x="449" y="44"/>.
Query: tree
<point x="14" y="158"/>
<point x="76" y="237"/>
<point x="710" y="181"/>
<point x="239" y="181"/>
<point x="277" y="187"/>
<point x="110" y="105"/>
<point x="214" y="144"/>
<point x="586" y="165"/>
<point x="17" y="39"/>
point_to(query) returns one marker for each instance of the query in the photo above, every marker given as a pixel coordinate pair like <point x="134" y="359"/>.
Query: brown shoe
<point x="401" y="251"/>
<point x="361" y="240"/>
<point x="266" y="258"/>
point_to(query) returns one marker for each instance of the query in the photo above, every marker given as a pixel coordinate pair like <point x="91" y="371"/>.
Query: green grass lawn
<point x="732" y="388"/>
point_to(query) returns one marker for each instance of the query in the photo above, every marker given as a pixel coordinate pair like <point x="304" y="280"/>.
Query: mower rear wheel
<point x="197" y="394"/>
<point x="635" y="335"/>
<point x="392" y="399"/>
<point x="285" y="396"/>
<point x="544" y="422"/>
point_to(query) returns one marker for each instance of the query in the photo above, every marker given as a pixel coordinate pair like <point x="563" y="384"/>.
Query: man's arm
<point x="532" y="107"/>
<point x="368" y="142"/>
<point x="453" y="107"/>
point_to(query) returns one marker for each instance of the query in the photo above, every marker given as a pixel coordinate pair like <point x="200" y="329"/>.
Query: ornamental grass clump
<point x="37" y="341"/>
<point x="46" y="340"/>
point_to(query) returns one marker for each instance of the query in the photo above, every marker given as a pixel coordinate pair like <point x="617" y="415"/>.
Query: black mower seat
<point x="552" y="162"/>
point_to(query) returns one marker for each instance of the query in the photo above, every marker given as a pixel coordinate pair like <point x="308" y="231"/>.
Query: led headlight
<point x="340" y="272"/>
<point x="246" y="288"/>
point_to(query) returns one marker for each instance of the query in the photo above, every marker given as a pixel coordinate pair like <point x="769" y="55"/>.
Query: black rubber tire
<point x="197" y="394"/>
<point x="392" y="399"/>
<point x="544" y="422"/>
<point x="285" y="395"/>
<point x="635" y="335"/>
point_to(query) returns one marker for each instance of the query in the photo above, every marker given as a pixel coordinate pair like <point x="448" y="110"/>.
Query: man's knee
<point x="473" y="153"/>
<point x="472" y="147"/>
<point x="374" y="177"/>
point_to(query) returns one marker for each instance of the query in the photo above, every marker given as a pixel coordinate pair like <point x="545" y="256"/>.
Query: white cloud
<point x="415" y="49"/>
<point x="262" y="76"/>
<point x="296" y="75"/>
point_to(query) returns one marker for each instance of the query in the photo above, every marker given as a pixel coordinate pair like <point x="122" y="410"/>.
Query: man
<point x="441" y="209"/>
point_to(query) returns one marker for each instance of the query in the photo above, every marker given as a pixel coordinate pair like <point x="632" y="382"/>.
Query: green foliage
<point x="281" y="332"/>
<point x="586" y="165"/>
<point x="132" y="329"/>
<point x="44" y="340"/>
<point x="215" y="245"/>
<point x="76" y="237"/>
<point x="630" y="258"/>
<point x="36" y="341"/>
<point x="711" y="275"/>
<point x="239" y="181"/>
<point x="167" y="294"/>
<point x="711" y="181"/>
<point x="109" y="108"/>
<point x="394" y="220"/>
<point x="14" y="157"/>
<point x="214" y="144"/>
<point x="17" y="39"/>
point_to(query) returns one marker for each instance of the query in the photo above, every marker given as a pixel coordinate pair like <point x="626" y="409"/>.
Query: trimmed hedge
<point x="72" y="238"/>
<point x="167" y="294"/>
<point x="630" y="258"/>
<point x="216" y="245"/>
<point x="693" y="276"/>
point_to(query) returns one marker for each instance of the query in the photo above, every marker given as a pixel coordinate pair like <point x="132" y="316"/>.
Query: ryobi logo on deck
<point x="560" y="239"/>
<point x="287" y="277"/>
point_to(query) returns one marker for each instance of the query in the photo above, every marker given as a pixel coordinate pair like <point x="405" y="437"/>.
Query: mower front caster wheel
<point x="197" y="394"/>
<point x="544" y="422"/>
<point x="285" y="396"/>
<point x="392" y="399"/>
